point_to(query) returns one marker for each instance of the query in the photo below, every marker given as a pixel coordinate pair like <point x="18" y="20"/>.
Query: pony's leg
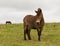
<point x="28" y="34"/>
<point x="39" y="33"/>
<point x="25" y="32"/>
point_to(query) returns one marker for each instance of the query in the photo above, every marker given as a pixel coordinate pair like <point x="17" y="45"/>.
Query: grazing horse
<point x="8" y="22"/>
<point x="33" y="22"/>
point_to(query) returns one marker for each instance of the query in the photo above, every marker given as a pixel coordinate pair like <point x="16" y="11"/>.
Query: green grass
<point x="12" y="35"/>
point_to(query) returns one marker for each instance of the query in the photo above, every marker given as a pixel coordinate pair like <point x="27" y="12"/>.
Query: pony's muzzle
<point x="38" y="23"/>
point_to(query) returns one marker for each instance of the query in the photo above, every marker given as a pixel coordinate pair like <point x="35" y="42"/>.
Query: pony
<point x="8" y="22"/>
<point x="33" y="22"/>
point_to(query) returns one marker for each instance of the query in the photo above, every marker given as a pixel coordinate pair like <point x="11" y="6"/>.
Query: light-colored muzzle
<point x="38" y="22"/>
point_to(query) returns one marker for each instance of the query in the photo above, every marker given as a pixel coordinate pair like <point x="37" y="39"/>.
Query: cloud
<point x="21" y="4"/>
<point x="15" y="10"/>
<point x="30" y="4"/>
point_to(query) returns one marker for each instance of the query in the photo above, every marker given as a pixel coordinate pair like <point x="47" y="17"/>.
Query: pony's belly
<point x="33" y="28"/>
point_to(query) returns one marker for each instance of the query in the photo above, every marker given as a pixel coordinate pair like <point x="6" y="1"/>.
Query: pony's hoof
<point x="24" y="39"/>
<point x="29" y="39"/>
<point x="39" y="40"/>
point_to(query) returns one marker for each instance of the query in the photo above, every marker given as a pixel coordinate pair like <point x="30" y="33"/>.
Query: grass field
<point x="12" y="35"/>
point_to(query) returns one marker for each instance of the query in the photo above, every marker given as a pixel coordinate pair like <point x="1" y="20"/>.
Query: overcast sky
<point x="15" y="10"/>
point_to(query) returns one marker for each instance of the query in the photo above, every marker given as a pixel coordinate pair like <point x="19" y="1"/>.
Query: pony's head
<point x="38" y="15"/>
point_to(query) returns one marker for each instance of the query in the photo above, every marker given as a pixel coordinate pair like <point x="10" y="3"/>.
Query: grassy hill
<point x="12" y="35"/>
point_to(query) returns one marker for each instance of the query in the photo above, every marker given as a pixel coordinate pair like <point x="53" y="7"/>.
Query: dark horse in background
<point x="33" y="22"/>
<point x="8" y="22"/>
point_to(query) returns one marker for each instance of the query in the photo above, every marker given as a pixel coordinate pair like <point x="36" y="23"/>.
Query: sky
<point x="16" y="10"/>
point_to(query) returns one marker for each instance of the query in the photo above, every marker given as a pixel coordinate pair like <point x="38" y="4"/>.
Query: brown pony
<point x="33" y="22"/>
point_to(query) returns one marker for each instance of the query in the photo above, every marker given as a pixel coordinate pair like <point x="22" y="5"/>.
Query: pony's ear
<point x="39" y="10"/>
<point x="36" y="11"/>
